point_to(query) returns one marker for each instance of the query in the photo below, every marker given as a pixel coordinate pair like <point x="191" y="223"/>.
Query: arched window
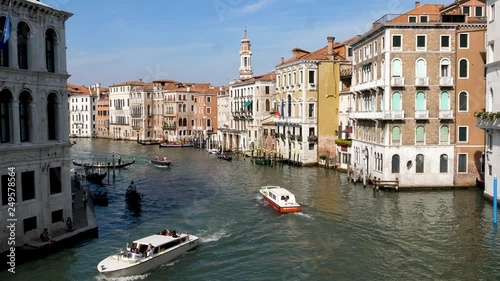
<point x="395" y="164"/>
<point x="463" y="71"/>
<point x="375" y="73"/>
<point x="396" y="135"/>
<point x="184" y="122"/>
<point x="5" y="119"/>
<point x="489" y="103"/>
<point x="420" y="135"/>
<point x="180" y="121"/>
<point x="396" y="101"/>
<point x="382" y="70"/>
<point x="463" y="101"/>
<point x="419" y="168"/>
<point x="183" y="108"/>
<point x="443" y="163"/>
<point x="381" y="162"/>
<point x="52" y="116"/>
<point x="420" y="101"/>
<point x="444" y="101"/>
<point x="444" y="135"/>
<point x="149" y="110"/>
<point x="289" y="105"/>
<point x="4" y="51"/>
<point x="25" y="116"/>
<point x="180" y="107"/>
<point x="50" y="53"/>
<point x="268" y="105"/>
<point x="445" y="68"/>
<point x="397" y="68"/>
<point x="23" y="35"/>
<point x="421" y="68"/>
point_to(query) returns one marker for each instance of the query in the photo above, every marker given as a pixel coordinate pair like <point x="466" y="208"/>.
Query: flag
<point x="277" y="108"/>
<point x="6" y="28"/>
<point x="283" y="108"/>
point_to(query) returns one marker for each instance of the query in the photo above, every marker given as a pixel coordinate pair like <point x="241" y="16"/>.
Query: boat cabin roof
<point x="156" y="240"/>
<point x="278" y="191"/>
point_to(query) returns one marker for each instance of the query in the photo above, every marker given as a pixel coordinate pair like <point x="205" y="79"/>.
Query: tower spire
<point x="245" y="57"/>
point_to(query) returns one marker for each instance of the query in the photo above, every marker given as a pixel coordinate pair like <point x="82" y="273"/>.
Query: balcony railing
<point x="394" y="115"/>
<point x="445" y="114"/>
<point x="398" y="81"/>
<point x="446" y="82"/>
<point x="422" y="114"/>
<point x="487" y="123"/>
<point x="422" y="81"/>
<point x="312" y="86"/>
<point x="368" y="115"/>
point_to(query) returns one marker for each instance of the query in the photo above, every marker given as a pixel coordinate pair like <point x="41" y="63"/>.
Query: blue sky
<point x="113" y="41"/>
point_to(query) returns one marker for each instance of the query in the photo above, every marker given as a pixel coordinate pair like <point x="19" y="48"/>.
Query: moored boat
<point x="280" y="199"/>
<point x="176" y="144"/>
<point x="147" y="254"/>
<point x="148" y="142"/>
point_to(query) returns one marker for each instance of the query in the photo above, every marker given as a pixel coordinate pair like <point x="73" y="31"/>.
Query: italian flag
<point x="277" y="108"/>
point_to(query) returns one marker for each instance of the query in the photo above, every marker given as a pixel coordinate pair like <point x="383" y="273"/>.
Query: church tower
<point x="245" y="58"/>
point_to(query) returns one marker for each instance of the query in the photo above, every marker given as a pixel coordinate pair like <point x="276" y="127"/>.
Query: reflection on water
<point x="344" y="232"/>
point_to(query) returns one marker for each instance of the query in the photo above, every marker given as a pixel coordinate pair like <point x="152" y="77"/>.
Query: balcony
<point x="398" y="81"/>
<point x="421" y="114"/>
<point x="487" y="123"/>
<point x="368" y="115"/>
<point x="169" y="127"/>
<point x="422" y="81"/>
<point x="394" y="115"/>
<point x="312" y="86"/>
<point x="446" y="114"/>
<point x="446" y="82"/>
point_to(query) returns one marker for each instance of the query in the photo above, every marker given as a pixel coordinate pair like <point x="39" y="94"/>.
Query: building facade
<point x="34" y="139"/>
<point x="119" y="110"/>
<point x="82" y="106"/>
<point x="102" y="115"/>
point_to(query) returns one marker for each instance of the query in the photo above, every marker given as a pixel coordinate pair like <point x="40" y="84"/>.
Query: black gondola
<point x="95" y="177"/>
<point x="224" y="156"/>
<point x="132" y="196"/>
<point x="100" y="199"/>
<point x="103" y="165"/>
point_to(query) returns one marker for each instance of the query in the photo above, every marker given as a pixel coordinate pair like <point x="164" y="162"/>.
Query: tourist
<point x="84" y="199"/>
<point x="149" y="251"/>
<point x="119" y="160"/>
<point x="69" y="224"/>
<point x="132" y="186"/>
<point x="45" y="236"/>
<point x="157" y="157"/>
<point x="127" y="247"/>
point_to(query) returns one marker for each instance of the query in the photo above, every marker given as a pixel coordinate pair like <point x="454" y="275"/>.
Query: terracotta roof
<point x="75" y="89"/>
<point x="129" y="83"/>
<point x="270" y="76"/>
<point x="320" y="54"/>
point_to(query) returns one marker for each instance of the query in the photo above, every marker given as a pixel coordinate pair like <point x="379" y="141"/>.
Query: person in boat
<point x="165" y="158"/>
<point x="132" y="186"/>
<point x="127" y="247"/>
<point x="149" y="250"/>
<point x="164" y="232"/>
<point x="69" y="224"/>
<point x="157" y="157"/>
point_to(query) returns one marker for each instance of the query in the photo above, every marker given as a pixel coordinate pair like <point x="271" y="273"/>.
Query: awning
<point x="347" y="130"/>
<point x="248" y="103"/>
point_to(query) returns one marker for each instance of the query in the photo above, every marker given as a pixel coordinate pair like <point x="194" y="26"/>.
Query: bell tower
<point x="245" y="58"/>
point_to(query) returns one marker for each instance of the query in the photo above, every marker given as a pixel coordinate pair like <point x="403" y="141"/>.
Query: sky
<point x="114" y="41"/>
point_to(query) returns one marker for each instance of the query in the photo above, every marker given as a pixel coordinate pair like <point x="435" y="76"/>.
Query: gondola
<point x="95" y="177"/>
<point x="100" y="199"/>
<point x="103" y="165"/>
<point x="224" y="156"/>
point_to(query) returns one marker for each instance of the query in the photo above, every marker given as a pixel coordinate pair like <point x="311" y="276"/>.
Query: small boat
<point x="176" y="144"/>
<point x="224" y="156"/>
<point x="95" y="177"/>
<point x="132" y="196"/>
<point x="262" y="161"/>
<point x="100" y="199"/>
<point x="164" y="163"/>
<point x="280" y="199"/>
<point x="212" y="150"/>
<point x="147" y="254"/>
<point x="148" y="142"/>
<point x="103" y="165"/>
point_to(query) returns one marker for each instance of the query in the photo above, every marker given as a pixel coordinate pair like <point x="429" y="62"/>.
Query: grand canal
<point x="344" y="232"/>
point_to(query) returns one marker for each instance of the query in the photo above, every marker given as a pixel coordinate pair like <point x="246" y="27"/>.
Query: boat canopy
<point x="156" y="240"/>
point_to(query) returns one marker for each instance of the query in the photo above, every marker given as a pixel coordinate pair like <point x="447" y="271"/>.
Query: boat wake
<point x="304" y="215"/>
<point x="215" y="237"/>
<point x="127" y="278"/>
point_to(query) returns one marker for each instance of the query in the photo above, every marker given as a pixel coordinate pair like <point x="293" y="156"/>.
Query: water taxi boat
<point x="147" y="254"/>
<point x="280" y="199"/>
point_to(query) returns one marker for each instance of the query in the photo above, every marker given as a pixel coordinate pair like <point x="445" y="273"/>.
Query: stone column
<point x="15" y="121"/>
<point x="13" y="63"/>
<point x="34" y="121"/>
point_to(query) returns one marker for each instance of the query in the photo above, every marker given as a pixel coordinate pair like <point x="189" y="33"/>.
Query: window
<point x="50" y="44"/>
<point x="52" y="116"/>
<point x="396" y="135"/>
<point x="28" y="185"/>
<point x="312" y="77"/>
<point x="311" y="110"/>
<point x="412" y="19"/>
<point x="421" y="68"/>
<point x="396" y="101"/>
<point x="463" y="69"/>
<point x="463" y="134"/>
<point x="478" y="11"/>
<point x="421" y="42"/>
<point x="55" y="180"/>
<point x="289" y="105"/>
<point x="445" y="68"/>
<point x="491" y="52"/>
<point x="395" y="164"/>
<point x="23" y="35"/>
<point x="24" y="116"/>
<point x="209" y="99"/>
<point x="466" y="10"/>
<point x="29" y="224"/>
<point x="464" y="40"/>
<point x="397" y="42"/>
<point x="5" y="116"/>
<point x="445" y="43"/>
<point x="420" y="101"/>
<point x="57" y="216"/>
<point x="419" y="167"/>
<point x="444" y="135"/>
<point x="209" y="110"/>
<point x="349" y="53"/>
<point x="268" y="105"/>
<point x="420" y="135"/>
<point x="489" y="141"/>
<point x="492" y="12"/>
<point x="382" y="44"/>
<point x="397" y="68"/>
<point x="443" y="163"/>
<point x="424" y="18"/>
<point x="463" y="101"/>
<point x="462" y="163"/>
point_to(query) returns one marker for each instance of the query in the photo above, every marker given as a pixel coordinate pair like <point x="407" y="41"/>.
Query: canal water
<point x="344" y="232"/>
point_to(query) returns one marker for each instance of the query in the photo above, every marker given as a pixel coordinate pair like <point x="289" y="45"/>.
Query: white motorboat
<point x="280" y="199"/>
<point x="147" y="254"/>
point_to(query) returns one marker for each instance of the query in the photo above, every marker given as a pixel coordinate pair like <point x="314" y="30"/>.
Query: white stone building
<point x="82" y="108"/>
<point x="120" y="127"/>
<point x="34" y="140"/>
<point x="492" y="151"/>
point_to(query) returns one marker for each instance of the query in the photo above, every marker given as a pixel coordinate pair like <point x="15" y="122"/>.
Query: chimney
<point x="330" y="47"/>
<point x="282" y="60"/>
<point x="417" y="4"/>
